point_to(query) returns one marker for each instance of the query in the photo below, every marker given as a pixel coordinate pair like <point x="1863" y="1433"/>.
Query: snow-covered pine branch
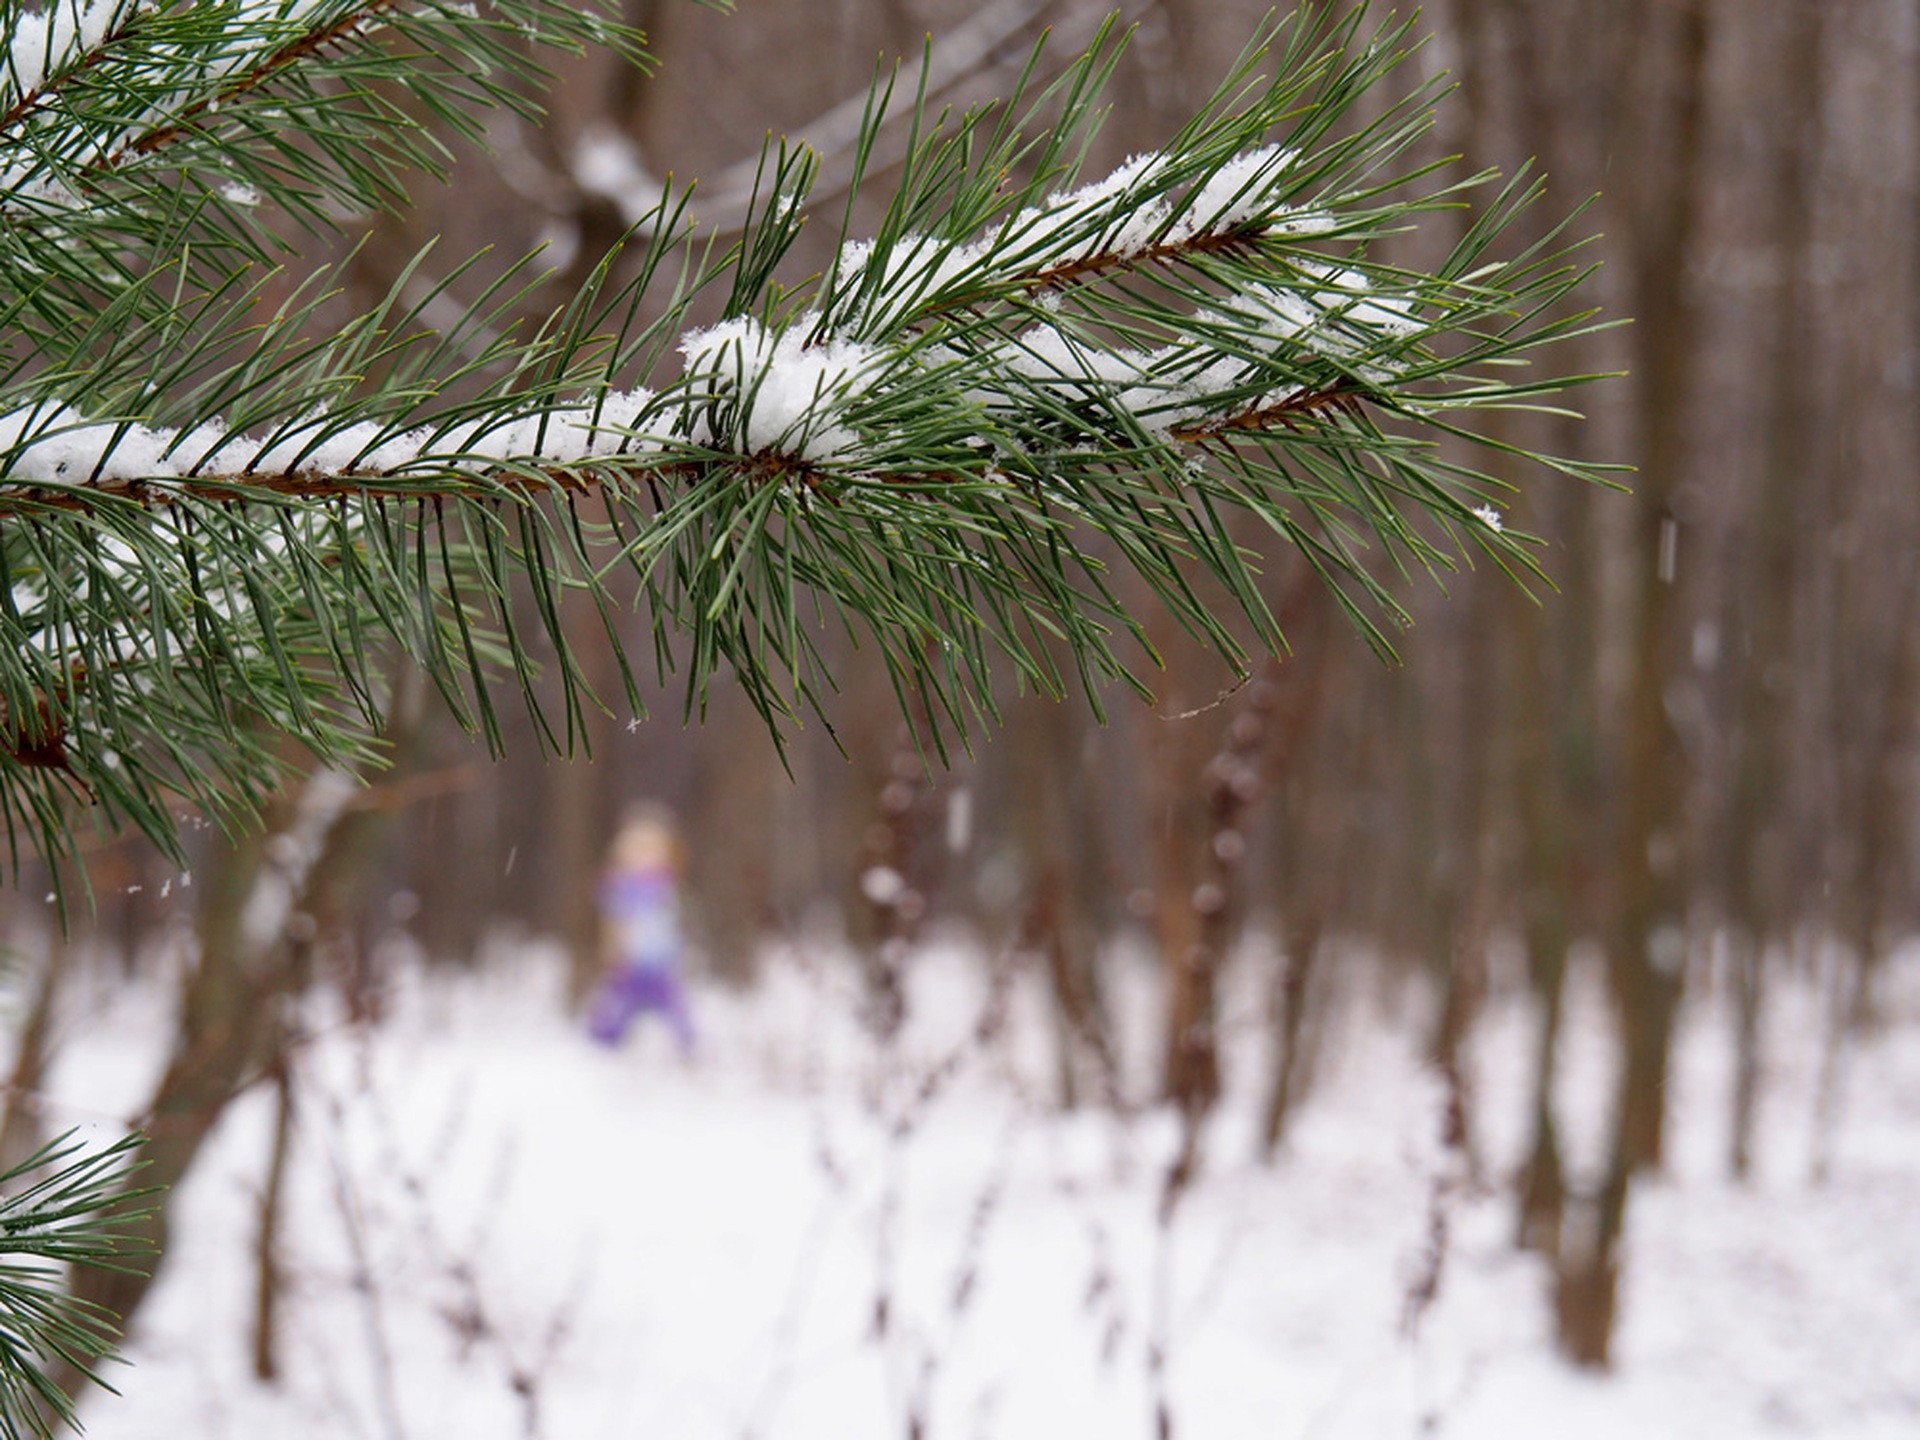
<point x="209" y="505"/>
<point x="784" y="392"/>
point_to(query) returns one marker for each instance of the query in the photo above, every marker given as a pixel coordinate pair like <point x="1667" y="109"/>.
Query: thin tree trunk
<point x="1759" y="878"/>
<point x="1646" y="939"/>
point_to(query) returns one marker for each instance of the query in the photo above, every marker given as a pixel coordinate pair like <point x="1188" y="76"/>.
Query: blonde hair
<point x="647" y="839"/>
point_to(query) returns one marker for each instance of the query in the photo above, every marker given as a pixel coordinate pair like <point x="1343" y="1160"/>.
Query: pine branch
<point x="1019" y="403"/>
<point x="69" y="1208"/>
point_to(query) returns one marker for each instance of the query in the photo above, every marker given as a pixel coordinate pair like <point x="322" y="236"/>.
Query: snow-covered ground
<point x="497" y="1229"/>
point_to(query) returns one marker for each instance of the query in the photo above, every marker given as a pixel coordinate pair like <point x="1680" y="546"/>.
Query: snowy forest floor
<point x="496" y="1229"/>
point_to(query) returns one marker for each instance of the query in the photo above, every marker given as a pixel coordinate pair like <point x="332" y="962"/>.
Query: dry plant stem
<point x="1293" y="978"/>
<point x="896" y="879"/>
<point x="1235" y="780"/>
<point x="1160" y="1323"/>
<point x="1319" y="882"/>
<point x="925" y="1090"/>
<point x="1232" y="782"/>
<point x="270" y="1279"/>
<point x="1541" y="1186"/>
<point x="1073" y="982"/>
<point x="963" y="1286"/>
<point x="473" y="1320"/>
<point x="784" y="1336"/>
<point x="1837" y="1040"/>
<point x="1451" y="1176"/>
<point x="366" y="1279"/>
<point x="1749" y="965"/>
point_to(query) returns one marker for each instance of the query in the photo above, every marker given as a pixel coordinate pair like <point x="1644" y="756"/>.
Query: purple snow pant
<point x="632" y="990"/>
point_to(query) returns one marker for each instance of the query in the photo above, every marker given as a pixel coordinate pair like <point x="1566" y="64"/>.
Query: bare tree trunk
<point x="1755" y="845"/>
<point x="1646" y="937"/>
<point x="1544" y="795"/>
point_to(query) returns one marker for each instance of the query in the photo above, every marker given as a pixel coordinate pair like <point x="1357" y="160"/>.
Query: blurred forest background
<point x="1689" y="771"/>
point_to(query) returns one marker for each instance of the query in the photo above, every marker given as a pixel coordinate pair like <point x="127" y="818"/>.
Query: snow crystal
<point x="1490" y="517"/>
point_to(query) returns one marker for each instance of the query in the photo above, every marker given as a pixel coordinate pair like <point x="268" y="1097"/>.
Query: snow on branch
<point x="770" y="390"/>
<point x="52" y="445"/>
<point x="804" y="390"/>
<point x="49" y="47"/>
<point x="1129" y="218"/>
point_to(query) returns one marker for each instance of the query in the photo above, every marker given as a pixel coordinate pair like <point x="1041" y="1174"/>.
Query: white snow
<point x="1334" y="312"/>
<point x="55" y="444"/>
<point x="1238" y="191"/>
<point x="769" y="389"/>
<point x="44" y="42"/>
<point x="497" y="1230"/>
<point x="1119" y="217"/>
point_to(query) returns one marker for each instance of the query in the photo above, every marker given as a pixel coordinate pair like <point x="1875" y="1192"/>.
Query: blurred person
<point x="640" y="913"/>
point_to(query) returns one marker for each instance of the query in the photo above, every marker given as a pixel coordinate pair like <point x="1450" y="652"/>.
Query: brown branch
<point x="763" y="467"/>
<point x="1067" y="273"/>
<point x="20" y="499"/>
<point x="1343" y="396"/>
<point x="1237" y="239"/>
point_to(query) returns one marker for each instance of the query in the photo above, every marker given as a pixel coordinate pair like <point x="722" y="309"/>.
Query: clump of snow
<point x="55" y="444"/>
<point x="1238" y="192"/>
<point x="1490" y="517"/>
<point x="46" y="42"/>
<point x="758" y="388"/>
